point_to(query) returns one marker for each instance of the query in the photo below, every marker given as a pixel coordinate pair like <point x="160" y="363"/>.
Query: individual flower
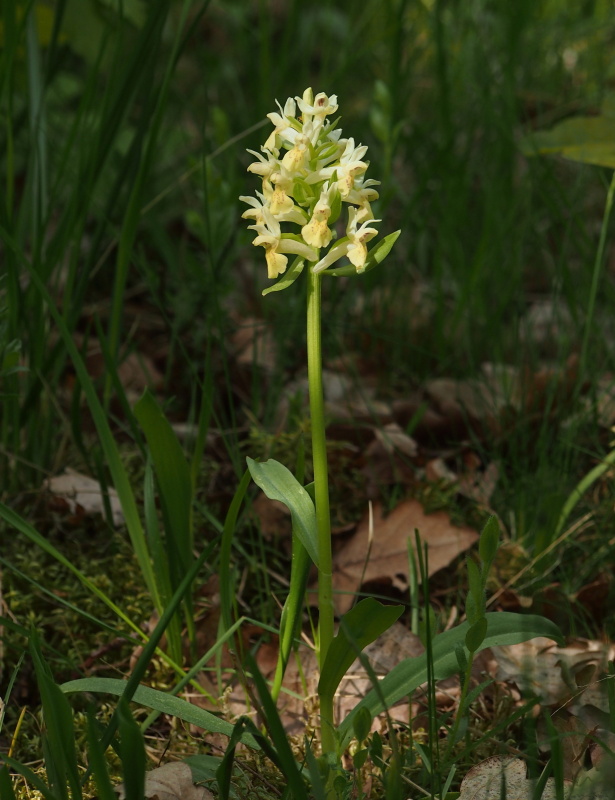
<point x="317" y="232"/>
<point x="283" y="126"/>
<point x="353" y="245"/>
<point x="261" y="201"/>
<point x="264" y="166"/>
<point x="317" y="107"/>
<point x="296" y="158"/>
<point x="270" y="237"/>
<point x="362" y="195"/>
<point x="349" y="168"/>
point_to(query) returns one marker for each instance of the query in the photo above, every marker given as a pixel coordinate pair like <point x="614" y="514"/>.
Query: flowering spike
<point x="308" y="172"/>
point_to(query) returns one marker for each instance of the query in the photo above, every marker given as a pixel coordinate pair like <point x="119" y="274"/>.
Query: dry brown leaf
<point x="273" y="516"/>
<point x="393" y="646"/>
<point x="388" y="560"/>
<point x="466" y="403"/>
<point x="393" y="439"/>
<point x="83" y="495"/>
<point x="484" y="781"/>
<point x="572" y="738"/>
<point x="135" y="369"/>
<point x="559" y="675"/>
<point x="170" y="782"/>
<point x="605" y="401"/>
<point x="254" y="344"/>
<point x="383" y="467"/>
<point x="479" y="485"/>
<point x="436" y="469"/>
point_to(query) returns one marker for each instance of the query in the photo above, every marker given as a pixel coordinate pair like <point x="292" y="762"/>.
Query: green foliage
<point x="585" y="139"/>
<point x="288" y="278"/>
<point x="154" y="699"/>
<point x="359" y="627"/>
<point x="502" y="628"/>
<point x="279" y="483"/>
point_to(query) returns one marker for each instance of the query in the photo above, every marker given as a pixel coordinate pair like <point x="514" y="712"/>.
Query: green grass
<point x="123" y="136"/>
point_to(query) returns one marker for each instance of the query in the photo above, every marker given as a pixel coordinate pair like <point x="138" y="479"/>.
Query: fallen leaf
<point x="383" y="467"/>
<point x="559" y="675"/>
<point x="170" y="782"/>
<point x="572" y="737"/>
<point x="254" y="345"/>
<point x="388" y="559"/>
<point x="479" y="485"/>
<point x="273" y="517"/>
<point x="484" y="781"/>
<point x="604" y="401"/>
<point x="394" y="439"/>
<point x="545" y="325"/>
<point x="83" y="495"/>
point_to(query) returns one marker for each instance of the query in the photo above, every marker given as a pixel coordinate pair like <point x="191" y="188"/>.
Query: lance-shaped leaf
<point x="590" y="140"/>
<point x="288" y="278"/>
<point x="375" y="256"/>
<point x="160" y="701"/>
<point x="502" y="628"/>
<point x="362" y="625"/>
<point x="279" y="483"/>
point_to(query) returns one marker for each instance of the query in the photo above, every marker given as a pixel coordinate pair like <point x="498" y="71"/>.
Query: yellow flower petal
<point x="317" y="233"/>
<point x="276" y="263"/>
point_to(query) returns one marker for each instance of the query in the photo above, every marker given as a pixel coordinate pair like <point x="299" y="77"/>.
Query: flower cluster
<point x="308" y="172"/>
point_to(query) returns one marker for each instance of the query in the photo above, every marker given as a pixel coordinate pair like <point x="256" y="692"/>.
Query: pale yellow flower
<point x="283" y="127"/>
<point x="318" y="107"/>
<point x="363" y="195"/>
<point x="260" y="202"/>
<point x="296" y="158"/>
<point x="317" y="232"/>
<point x="353" y="246"/>
<point x="264" y="166"/>
<point x="357" y="251"/>
<point x="349" y="168"/>
<point x="270" y="237"/>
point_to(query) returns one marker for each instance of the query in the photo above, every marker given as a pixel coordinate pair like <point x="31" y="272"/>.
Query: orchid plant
<point x="310" y="174"/>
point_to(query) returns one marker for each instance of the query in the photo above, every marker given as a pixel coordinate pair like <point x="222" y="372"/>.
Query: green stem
<point x="593" y="293"/>
<point x="321" y="495"/>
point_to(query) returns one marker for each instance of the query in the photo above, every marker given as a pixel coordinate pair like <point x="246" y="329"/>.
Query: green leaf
<point x="283" y="750"/>
<point x="589" y="140"/>
<point x="502" y="628"/>
<point x="359" y="627"/>
<point x="60" y="734"/>
<point x="460" y="655"/>
<point x="160" y="701"/>
<point x="173" y="475"/>
<point x="489" y="541"/>
<point x="361" y="726"/>
<point x="476" y="635"/>
<point x="279" y="483"/>
<point x="6" y="785"/>
<point x="203" y="767"/>
<point x="336" y="208"/>
<point x="131" y="752"/>
<point x="476" y="608"/>
<point x="375" y="256"/>
<point x="288" y="278"/>
<point x="98" y="763"/>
